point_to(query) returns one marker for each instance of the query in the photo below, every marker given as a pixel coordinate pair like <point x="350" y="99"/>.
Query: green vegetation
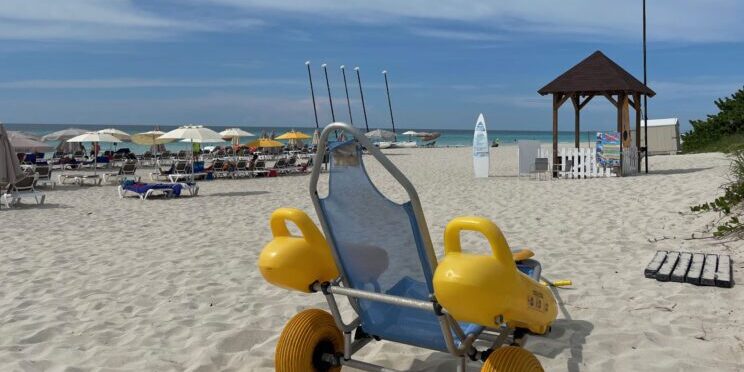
<point x="722" y="132"/>
<point x="729" y="205"/>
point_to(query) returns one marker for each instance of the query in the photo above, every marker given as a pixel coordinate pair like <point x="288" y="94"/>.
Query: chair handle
<point x="310" y="232"/>
<point x="496" y="239"/>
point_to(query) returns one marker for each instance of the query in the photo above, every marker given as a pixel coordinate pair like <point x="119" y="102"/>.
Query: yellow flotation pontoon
<point x="379" y="255"/>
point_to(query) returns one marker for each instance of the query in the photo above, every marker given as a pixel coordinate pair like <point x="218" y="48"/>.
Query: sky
<point x="242" y="62"/>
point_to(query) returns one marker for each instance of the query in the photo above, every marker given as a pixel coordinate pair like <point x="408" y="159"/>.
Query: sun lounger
<point x="378" y="254"/>
<point x="25" y="186"/>
<point x="218" y="169"/>
<point x="241" y="169"/>
<point x="126" y="171"/>
<point x="145" y="190"/>
<point x="79" y="178"/>
<point x="44" y="175"/>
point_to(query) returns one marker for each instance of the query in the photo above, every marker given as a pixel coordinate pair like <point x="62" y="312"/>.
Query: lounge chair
<point x="182" y="171"/>
<point x="25" y="186"/>
<point x="128" y="170"/>
<point x="241" y="169"/>
<point x="162" y="174"/>
<point x="378" y="253"/>
<point x="218" y="169"/>
<point x="44" y="175"/>
<point x="258" y="168"/>
<point x="145" y="190"/>
<point x="79" y="178"/>
<point x="280" y="167"/>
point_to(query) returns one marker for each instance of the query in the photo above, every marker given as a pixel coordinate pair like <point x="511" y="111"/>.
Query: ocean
<point x="449" y="137"/>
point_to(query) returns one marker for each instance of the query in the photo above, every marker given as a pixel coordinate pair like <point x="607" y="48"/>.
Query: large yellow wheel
<point x="305" y="338"/>
<point x="511" y="359"/>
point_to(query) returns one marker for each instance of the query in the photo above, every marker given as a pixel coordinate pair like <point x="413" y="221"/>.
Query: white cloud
<point x="476" y="20"/>
<point x="98" y="20"/>
<point x="125" y="83"/>
<point x="457" y="34"/>
<point x="669" y="20"/>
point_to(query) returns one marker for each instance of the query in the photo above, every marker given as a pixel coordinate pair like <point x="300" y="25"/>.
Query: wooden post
<point x="619" y="106"/>
<point x="577" y="118"/>
<point x="637" y="107"/>
<point x="556" y="98"/>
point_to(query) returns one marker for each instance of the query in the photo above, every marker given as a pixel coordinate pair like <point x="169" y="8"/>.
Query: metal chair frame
<point x="465" y="350"/>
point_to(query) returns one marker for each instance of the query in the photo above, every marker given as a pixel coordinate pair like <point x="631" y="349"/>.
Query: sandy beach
<point x="92" y="282"/>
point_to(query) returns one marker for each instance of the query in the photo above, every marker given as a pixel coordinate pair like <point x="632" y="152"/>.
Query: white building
<point x="663" y="136"/>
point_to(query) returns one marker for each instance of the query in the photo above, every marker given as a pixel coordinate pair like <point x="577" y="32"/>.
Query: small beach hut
<point x="598" y="75"/>
<point x="663" y="136"/>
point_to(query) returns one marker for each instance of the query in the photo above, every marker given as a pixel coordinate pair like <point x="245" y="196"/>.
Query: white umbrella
<point x="21" y="143"/>
<point x="63" y="135"/>
<point x="195" y="134"/>
<point x="94" y="137"/>
<point x="316" y="138"/>
<point x="15" y="133"/>
<point x="151" y="138"/>
<point x="235" y="132"/>
<point x="380" y="135"/>
<point x="120" y="134"/>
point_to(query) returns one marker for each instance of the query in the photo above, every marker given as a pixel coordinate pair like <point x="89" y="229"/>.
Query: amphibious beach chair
<point x="379" y="255"/>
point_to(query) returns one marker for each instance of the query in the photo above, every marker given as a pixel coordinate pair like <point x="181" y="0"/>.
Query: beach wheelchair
<point x="379" y="255"/>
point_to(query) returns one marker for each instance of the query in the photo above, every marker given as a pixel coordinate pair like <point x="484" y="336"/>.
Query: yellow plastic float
<point x="489" y="289"/>
<point x="296" y="262"/>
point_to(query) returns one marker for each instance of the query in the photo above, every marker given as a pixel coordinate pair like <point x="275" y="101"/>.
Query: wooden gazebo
<point x="597" y="75"/>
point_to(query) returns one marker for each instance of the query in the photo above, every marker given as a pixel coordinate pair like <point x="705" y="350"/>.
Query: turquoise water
<point x="449" y="137"/>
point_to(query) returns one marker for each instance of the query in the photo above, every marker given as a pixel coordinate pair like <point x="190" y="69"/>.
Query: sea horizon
<point x="449" y="137"/>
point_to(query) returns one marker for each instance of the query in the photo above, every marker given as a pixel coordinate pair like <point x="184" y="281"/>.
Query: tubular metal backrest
<point x="379" y="245"/>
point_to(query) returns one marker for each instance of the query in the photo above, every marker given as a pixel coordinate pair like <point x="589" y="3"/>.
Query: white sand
<point x="93" y="282"/>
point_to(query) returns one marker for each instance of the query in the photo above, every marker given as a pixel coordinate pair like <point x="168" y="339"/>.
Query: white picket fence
<point x="582" y="163"/>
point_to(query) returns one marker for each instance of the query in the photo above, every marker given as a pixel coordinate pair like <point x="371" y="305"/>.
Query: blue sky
<point x="241" y="62"/>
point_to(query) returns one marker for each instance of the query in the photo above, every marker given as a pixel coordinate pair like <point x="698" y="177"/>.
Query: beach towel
<point x="141" y="188"/>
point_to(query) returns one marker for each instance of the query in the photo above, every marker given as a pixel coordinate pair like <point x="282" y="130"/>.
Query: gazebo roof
<point x="596" y="74"/>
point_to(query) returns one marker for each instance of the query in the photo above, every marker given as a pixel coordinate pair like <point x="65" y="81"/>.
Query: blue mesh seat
<point x="379" y="248"/>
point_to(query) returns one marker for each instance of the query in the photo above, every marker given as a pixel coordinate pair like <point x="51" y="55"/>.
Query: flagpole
<point x="645" y="97"/>
<point x="328" y="85"/>
<point x="390" y="105"/>
<point x="361" y="94"/>
<point x="312" y="93"/>
<point x="348" y="101"/>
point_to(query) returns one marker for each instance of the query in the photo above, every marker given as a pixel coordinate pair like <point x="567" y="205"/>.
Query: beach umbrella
<point x="21" y="143"/>
<point x="120" y="134"/>
<point x="150" y="138"/>
<point x="15" y="133"/>
<point x="94" y="137"/>
<point x="381" y="135"/>
<point x="10" y="167"/>
<point x="195" y="134"/>
<point x="293" y="135"/>
<point x="234" y="135"/>
<point x="264" y="142"/>
<point x="316" y="137"/>
<point x="63" y="135"/>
